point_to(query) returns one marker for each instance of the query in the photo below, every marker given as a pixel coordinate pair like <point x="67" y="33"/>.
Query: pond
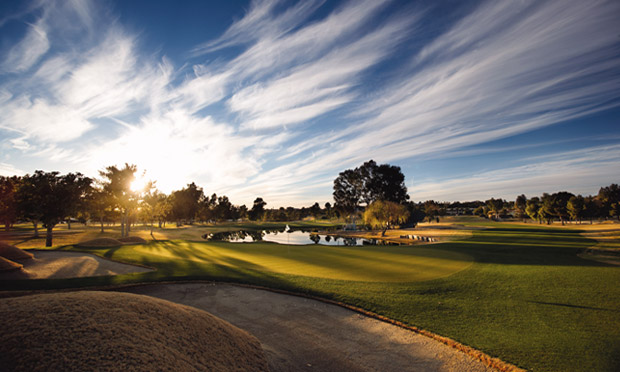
<point x="297" y="237"/>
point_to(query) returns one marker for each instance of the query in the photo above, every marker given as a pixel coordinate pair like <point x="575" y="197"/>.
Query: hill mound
<point x="133" y="240"/>
<point x="100" y="243"/>
<point x="85" y="331"/>
<point x="11" y="252"/>
<point x="8" y="265"/>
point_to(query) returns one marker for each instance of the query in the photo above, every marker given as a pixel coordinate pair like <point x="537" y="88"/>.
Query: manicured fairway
<point x="527" y="297"/>
<point x="367" y="263"/>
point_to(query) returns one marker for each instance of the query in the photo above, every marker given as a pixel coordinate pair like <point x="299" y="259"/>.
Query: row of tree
<point x="49" y="198"/>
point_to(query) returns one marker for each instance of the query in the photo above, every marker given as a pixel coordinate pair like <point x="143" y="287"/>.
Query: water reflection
<point x="294" y="237"/>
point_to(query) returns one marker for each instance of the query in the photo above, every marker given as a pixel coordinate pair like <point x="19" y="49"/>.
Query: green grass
<point x="527" y="298"/>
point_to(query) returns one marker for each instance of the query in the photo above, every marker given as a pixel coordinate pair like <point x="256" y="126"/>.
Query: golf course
<point x="524" y="293"/>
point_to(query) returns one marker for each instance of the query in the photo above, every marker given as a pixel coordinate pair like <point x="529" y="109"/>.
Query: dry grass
<point x="13" y="253"/>
<point x="8" y="265"/>
<point x="87" y="331"/>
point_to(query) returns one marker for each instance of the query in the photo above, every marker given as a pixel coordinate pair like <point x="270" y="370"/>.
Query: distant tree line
<point x="375" y="193"/>
<point x="46" y="199"/>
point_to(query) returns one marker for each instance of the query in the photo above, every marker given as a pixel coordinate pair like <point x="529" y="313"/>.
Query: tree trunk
<point x="101" y="222"/>
<point x="36" y="228"/>
<point x="48" y="236"/>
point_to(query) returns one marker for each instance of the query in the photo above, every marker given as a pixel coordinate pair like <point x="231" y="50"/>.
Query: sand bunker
<point x="13" y="253"/>
<point x="9" y="266"/>
<point x="87" y="331"/>
<point x="300" y="334"/>
<point x="62" y="264"/>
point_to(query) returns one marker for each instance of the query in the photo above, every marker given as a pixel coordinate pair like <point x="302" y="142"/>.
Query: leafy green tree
<point x="8" y="201"/>
<point x="610" y="199"/>
<point x="328" y="210"/>
<point x="368" y="183"/>
<point x="348" y="190"/>
<point x="99" y="205"/>
<point x="55" y="197"/>
<point x="547" y="208"/>
<point x="384" y="214"/>
<point x="532" y="208"/>
<point x="117" y="185"/>
<point x="519" y="206"/>
<point x="315" y="210"/>
<point x="591" y="208"/>
<point x="576" y="208"/>
<point x="494" y="208"/>
<point x="258" y="210"/>
<point x="186" y="202"/>
<point x="479" y="211"/>
<point x="431" y="210"/>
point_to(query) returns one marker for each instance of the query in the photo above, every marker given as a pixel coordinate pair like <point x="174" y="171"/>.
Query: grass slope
<point x="528" y="298"/>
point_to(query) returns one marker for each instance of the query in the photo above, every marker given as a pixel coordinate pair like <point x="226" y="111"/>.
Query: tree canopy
<point x="368" y="183"/>
<point x="384" y="214"/>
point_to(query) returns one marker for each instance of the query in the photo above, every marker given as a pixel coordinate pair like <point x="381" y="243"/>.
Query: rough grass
<point x="528" y="298"/>
<point x="11" y="252"/>
<point x="88" y="331"/>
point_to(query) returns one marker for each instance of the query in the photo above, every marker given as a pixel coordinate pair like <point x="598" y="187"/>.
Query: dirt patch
<point x="61" y="265"/>
<point x="87" y="331"/>
<point x="303" y="334"/>
<point x="13" y="253"/>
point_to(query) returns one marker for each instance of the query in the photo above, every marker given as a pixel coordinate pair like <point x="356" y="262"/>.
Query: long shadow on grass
<point x="526" y="246"/>
<point x="574" y="306"/>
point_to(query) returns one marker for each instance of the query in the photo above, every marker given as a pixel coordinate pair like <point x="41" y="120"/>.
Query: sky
<point x="273" y="99"/>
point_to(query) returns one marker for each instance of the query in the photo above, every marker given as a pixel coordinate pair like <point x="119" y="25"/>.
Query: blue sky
<point x="472" y="100"/>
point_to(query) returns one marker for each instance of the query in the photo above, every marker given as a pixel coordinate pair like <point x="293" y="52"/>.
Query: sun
<point x="139" y="184"/>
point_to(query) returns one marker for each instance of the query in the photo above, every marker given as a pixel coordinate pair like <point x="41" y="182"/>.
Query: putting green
<point x="366" y="263"/>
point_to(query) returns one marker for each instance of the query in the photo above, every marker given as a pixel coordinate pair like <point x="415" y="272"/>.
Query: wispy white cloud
<point x="28" y="51"/>
<point x="504" y="69"/>
<point x="581" y="171"/>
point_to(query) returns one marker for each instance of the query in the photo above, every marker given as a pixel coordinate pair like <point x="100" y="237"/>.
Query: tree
<point x="520" y="205"/>
<point x="532" y="208"/>
<point x="55" y="197"/>
<point x="78" y="188"/>
<point x="547" y="208"/>
<point x="258" y="209"/>
<point x="494" y="208"/>
<point x="328" y="210"/>
<point x="117" y="186"/>
<point x="610" y="198"/>
<point x="186" y="202"/>
<point x="348" y="189"/>
<point x="431" y="210"/>
<point x="560" y="202"/>
<point x="384" y="214"/>
<point x="8" y="201"/>
<point x="576" y="208"/>
<point x="315" y="210"/>
<point x="368" y="183"/>
<point x="98" y="205"/>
